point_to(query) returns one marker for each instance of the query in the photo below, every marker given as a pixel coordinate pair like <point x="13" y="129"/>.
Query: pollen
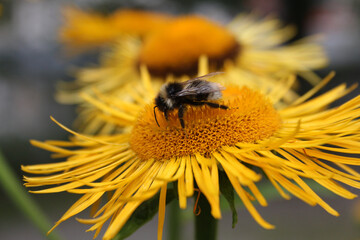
<point x="177" y="47"/>
<point x="250" y="118"/>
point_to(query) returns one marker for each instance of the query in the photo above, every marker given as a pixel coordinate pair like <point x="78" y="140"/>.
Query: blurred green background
<point x="32" y="61"/>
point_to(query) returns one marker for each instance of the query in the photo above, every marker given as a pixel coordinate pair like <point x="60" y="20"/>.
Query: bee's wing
<point x="206" y="76"/>
<point x="194" y="87"/>
<point x="199" y="85"/>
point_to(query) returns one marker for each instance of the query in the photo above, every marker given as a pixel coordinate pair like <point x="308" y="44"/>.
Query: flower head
<point x="246" y="142"/>
<point x="247" y="49"/>
<point x="193" y="36"/>
<point x="207" y="129"/>
<point x="90" y="29"/>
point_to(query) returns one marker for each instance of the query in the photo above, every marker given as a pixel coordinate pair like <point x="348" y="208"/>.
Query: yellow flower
<point x="251" y="45"/>
<point x="247" y="49"/>
<point x="90" y="29"/>
<point x="248" y="141"/>
<point x="177" y="47"/>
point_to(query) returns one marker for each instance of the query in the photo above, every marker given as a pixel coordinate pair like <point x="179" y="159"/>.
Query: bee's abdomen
<point x="214" y="95"/>
<point x="202" y="96"/>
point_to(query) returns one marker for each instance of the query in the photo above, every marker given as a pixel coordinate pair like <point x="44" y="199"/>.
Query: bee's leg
<point x="155" y="116"/>
<point x="215" y="105"/>
<point x="210" y="104"/>
<point x="166" y="115"/>
<point x="181" y="115"/>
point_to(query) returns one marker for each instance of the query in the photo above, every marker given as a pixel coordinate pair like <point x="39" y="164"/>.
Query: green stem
<point x="22" y="200"/>
<point x="205" y="224"/>
<point x="174" y="221"/>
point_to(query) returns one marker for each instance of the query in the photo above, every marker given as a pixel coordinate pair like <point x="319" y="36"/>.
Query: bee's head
<point x="160" y="103"/>
<point x="163" y="100"/>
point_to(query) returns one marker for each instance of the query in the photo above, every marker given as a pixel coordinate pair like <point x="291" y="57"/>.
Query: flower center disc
<point x="138" y="22"/>
<point x="177" y="47"/>
<point x="250" y="118"/>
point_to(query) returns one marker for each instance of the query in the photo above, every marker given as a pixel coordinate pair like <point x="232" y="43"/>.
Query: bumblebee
<point x="194" y="92"/>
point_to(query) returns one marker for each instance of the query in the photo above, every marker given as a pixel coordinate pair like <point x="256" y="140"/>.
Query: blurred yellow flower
<point x="248" y="50"/>
<point x="249" y="140"/>
<point x="84" y="30"/>
<point x="251" y="44"/>
<point x="177" y="47"/>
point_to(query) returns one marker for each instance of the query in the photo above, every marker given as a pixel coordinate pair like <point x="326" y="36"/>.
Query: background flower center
<point x="177" y="47"/>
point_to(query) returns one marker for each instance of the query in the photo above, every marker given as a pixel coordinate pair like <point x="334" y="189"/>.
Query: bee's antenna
<point x="155" y="116"/>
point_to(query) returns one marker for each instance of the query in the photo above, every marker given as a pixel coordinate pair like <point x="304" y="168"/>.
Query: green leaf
<point x="227" y="191"/>
<point x="144" y="213"/>
<point x="16" y="192"/>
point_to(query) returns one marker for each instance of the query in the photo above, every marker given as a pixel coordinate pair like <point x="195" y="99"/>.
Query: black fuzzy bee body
<point x="195" y="92"/>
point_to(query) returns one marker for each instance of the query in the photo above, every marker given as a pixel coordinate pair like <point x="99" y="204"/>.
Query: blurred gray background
<point x="32" y="61"/>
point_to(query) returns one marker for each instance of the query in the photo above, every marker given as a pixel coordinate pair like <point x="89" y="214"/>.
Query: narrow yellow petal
<point x="333" y="158"/>
<point x="81" y="135"/>
<point x="239" y="167"/>
<point x="203" y="65"/>
<point x="145" y="77"/>
<point x="316" y="104"/>
<point x="278" y="188"/>
<point x="321" y="202"/>
<point x="243" y="196"/>
<point x="50" y="148"/>
<point x="348" y="169"/>
<point x="180" y="170"/>
<point x="120" y="220"/>
<point x="83" y="203"/>
<point x="205" y="172"/>
<point x="182" y="192"/>
<point x="202" y="181"/>
<point x="189" y="178"/>
<point x="292" y="188"/>
<point x="162" y="205"/>
<point x="126" y="117"/>
<point x="257" y="194"/>
<point x="315" y="89"/>
<point x="215" y="175"/>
